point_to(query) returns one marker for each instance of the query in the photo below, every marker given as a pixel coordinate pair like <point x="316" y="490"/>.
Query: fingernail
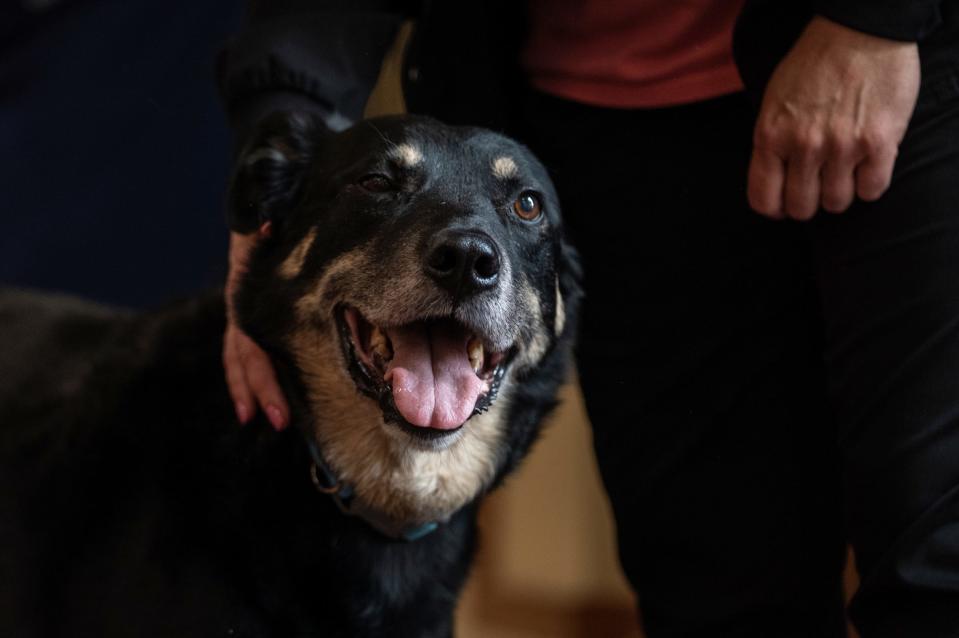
<point x="276" y="417"/>
<point x="242" y="413"/>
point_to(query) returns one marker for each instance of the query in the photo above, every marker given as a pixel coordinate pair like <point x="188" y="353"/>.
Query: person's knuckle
<point x="808" y="143"/>
<point x="243" y="356"/>
<point x="760" y="199"/>
<point x="872" y="181"/>
<point x="759" y="181"/>
<point x="798" y="195"/>
<point x="232" y="365"/>
<point x="238" y="393"/>
<point x="270" y="396"/>
<point x="872" y="187"/>
<point x="761" y="206"/>
<point x="260" y="374"/>
<point x="875" y="140"/>
<point x="260" y="360"/>
<point x="839" y="143"/>
<point x="237" y="388"/>
<point x="767" y="135"/>
<point x="834" y="201"/>
<point x="256" y="382"/>
<point x="802" y="210"/>
<point x="790" y="202"/>
<point x="235" y="376"/>
<point x="247" y="348"/>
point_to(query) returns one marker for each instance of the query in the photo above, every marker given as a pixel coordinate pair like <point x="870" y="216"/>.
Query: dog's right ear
<point x="269" y="170"/>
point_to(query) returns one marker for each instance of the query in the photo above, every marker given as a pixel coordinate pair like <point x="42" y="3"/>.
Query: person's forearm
<point x="294" y="55"/>
<point x="331" y="59"/>
<point x="320" y="57"/>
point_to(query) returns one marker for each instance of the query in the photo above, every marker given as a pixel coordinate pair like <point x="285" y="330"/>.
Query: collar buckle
<point x="318" y="484"/>
<point x="326" y="482"/>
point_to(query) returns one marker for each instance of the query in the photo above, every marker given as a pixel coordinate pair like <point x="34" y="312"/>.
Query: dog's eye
<point x="376" y="183"/>
<point x="528" y="206"/>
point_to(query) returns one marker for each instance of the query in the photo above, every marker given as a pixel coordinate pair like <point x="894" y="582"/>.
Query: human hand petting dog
<point x="833" y="115"/>
<point x="249" y="372"/>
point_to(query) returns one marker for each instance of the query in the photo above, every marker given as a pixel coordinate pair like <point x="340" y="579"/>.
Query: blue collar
<point x="325" y="481"/>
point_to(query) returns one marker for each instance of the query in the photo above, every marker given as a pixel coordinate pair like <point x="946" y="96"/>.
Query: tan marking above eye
<point x="505" y="167"/>
<point x="407" y="155"/>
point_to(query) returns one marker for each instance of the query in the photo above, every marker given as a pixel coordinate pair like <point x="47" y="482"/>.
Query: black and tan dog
<point x="417" y="297"/>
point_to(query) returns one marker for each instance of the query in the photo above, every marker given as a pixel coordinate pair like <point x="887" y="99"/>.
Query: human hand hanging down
<point x="832" y="117"/>
<point x="249" y="373"/>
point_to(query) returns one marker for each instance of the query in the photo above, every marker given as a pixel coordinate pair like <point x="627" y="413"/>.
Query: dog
<point x="418" y="299"/>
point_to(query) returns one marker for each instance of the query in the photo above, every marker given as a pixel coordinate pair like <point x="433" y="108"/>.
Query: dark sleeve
<point x="310" y="55"/>
<point x="767" y="29"/>
<point x="906" y="20"/>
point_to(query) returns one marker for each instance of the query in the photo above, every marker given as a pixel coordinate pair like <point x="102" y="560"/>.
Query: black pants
<point x="762" y="391"/>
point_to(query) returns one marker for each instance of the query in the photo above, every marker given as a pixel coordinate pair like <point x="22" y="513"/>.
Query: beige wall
<point x="548" y="566"/>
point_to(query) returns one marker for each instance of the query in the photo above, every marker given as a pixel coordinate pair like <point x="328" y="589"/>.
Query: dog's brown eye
<point x="528" y="206"/>
<point x="376" y="183"/>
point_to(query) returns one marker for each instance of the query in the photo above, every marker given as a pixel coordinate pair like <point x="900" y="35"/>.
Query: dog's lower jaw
<point x="412" y="483"/>
<point x="425" y="439"/>
<point x="407" y="481"/>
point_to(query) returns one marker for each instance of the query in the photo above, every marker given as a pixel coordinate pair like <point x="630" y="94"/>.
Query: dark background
<point x="114" y="153"/>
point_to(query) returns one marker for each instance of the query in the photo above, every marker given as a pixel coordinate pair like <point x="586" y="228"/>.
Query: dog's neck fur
<point x="298" y="546"/>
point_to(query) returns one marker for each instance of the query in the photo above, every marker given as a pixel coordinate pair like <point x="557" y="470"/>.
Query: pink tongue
<point x="433" y="383"/>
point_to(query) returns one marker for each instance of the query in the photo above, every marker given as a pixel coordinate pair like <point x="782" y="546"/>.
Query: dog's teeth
<point x="380" y="345"/>
<point x="475" y="351"/>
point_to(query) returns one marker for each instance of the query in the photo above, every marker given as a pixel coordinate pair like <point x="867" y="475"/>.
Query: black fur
<point x="131" y="501"/>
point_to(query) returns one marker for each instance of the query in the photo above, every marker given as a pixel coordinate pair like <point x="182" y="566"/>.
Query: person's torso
<point x="632" y="53"/>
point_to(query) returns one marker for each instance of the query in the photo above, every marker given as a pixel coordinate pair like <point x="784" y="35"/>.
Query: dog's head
<point x="416" y="290"/>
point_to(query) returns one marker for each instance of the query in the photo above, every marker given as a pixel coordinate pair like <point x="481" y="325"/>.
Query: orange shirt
<point x="632" y="53"/>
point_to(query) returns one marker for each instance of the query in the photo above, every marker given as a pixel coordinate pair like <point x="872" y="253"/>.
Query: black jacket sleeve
<point x="767" y="29"/>
<point x="907" y="20"/>
<point x="319" y="56"/>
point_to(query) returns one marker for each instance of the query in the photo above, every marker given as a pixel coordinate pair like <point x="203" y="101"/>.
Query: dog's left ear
<point x="569" y="288"/>
<point x="268" y="175"/>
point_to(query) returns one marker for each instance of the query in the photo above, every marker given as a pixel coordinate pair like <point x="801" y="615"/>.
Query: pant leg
<point x="889" y="276"/>
<point x="700" y="361"/>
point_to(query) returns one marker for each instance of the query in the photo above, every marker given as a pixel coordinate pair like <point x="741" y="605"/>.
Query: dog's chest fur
<point x="166" y="517"/>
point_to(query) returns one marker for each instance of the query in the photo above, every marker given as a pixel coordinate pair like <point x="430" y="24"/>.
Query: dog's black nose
<point x="463" y="262"/>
